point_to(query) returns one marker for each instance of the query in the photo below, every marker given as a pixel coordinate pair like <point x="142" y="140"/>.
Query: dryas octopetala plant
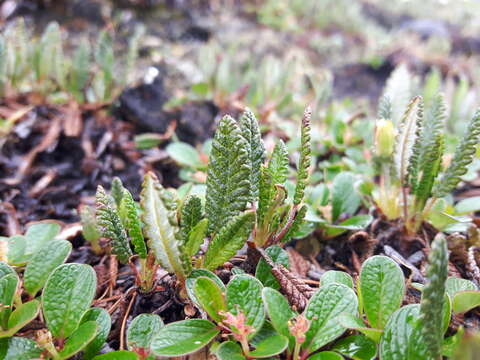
<point x="411" y="161"/>
<point x="245" y="200"/>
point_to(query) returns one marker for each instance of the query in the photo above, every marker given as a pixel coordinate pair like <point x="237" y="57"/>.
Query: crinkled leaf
<point x="303" y="166"/>
<point x="353" y="322"/>
<point x="323" y="310"/>
<point x="210" y="297"/>
<point x="230" y="350"/>
<point x="356" y="347"/>
<point x="333" y="276"/>
<point x="184" y="154"/>
<point x="67" y="295"/>
<point x="465" y="301"/>
<point x="244" y="294"/>
<point x="196" y="237"/>
<point x="17" y="247"/>
<point x="118" y="355"/>
<point x="19" y="348"/>
<point x="454" y="285"/>
<point x="228" y="180"/>
<point x="183" y="337"/>
<point x="131" y="221"/>
<point x="104" y="323"/>
<point x="345" y="199"/>
<point x="402" y="338"/>
<point x="43" y="262"/>
<point x="278" y="164"/>
<point x="8" y="287"/>
<point x="191" y="215"/>
<point x="358" y="222"/>
<point x="117" y="191"/>
<point x="278" y="311"/>
<point x="263" y="271"/>
<point x="38" y="235"/>
<point x="229" y="240"/>
<point x="451" y="343"/>
<point x="80" y="338"/>
<point x="22" y="315"/>
<point x="141" y="331"/>
<point x="382" y="288"/>
<point x="194" y="275"/>
<point x="271" y="346"/>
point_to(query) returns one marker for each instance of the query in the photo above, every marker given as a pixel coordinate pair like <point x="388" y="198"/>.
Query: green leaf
<point x="349" y="321"/>
<point x="184" y="154"/>
<point x="22" y="315"/>
<point x="104" y="323"/>
<point x="131" y="222"/>
<point x="196" y="237"/>
<point x="244" y="294"/>
<point x="228" y="180"/>
<point x="19" y="348"/>
<point x="195" y="274"/>
<point x="358" y="222"/>
<point x="264" y="271"/>
<point x="345" y="199"/>
<point x="117" y="191"/>
<point x="110" y="225"/>
<point x="356" y="347"/>
<point x="183" y="337"/>
<point x="382" y="289"/>
<point x="229" y="240"/>
<point x="210" y="297"/>
<point x="80" y="338"/>
<point x="90" y="227"/>
<point x="333" y="276"/>
<point x="453" y="285"/>
<point x="191" y="215"/>
<point x="256" y="149"/>
<point x="326" y="355"/>
<point x="48" y="257"/>
<point x="118" y="355"/>
<point x="451" y="344"/>
<point x="278" y="164"/>
<point x="304" y="161"/>
<point x="67" y="295"/>
<point x="17" y="247"/>
<point x="271" y="346"/>
<point x="323" y="310"/>
<point x="230" y="350"/>
<point x="8" y="288"/>
<point x="161" y="228"/>
<point x="433" y="297"/>
<point x="278" y="311"/>
<point x="465" y="301"/>
<point x="38" y="235"/>
<point x="141" y="331"/>
<point x="468" y="205"/>
<point x="402" y="339"/>
<point x="79" y="73"/>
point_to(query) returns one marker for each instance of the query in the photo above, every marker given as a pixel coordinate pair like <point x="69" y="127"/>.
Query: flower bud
<point x="384" y="138"/>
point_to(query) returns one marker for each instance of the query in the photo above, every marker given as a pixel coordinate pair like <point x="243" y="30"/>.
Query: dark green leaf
<point x="79" y="339"/>
<point x="131" y="222"/>
<point x="191" y="215"/>
<point x="271" y="346"/>
<point x="345" y="199"/>
<point x="333" y="276"/>
<point x="8" y="288"/>
<point x="117" y="355"/>
<point x="264" y="273"/>
<point x="357" y="347"/>
<point x="22" y="315"/>
<point x="141" y="331"/>
<point x="278" y="164"/>
<point x="278" y="311"/>
<point x="326" y="355"/>
<point x="303" y="166"/>
<point x="19" y="348"/>
<point x="104" y="323"/>
<point x="230" y="350"/>
<point x="194" y="275"/>
<point x="210" y="297"/>
<point x="349" y="321"/>
<point x="196" y="237"/>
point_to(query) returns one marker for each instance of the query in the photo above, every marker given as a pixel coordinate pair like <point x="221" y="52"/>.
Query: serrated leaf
<point x="104" y="324"/>
<point x="111" y="226"/>
<point x="271" y="346"/>
<point x="244" y="294"/>
<point x="161" y="226"/>
<point x="264" y="271"/>
<point x="43" y="262"/>
<point x="184" y="154"/>
<point x="8" y="288"/>
<point x="117" y="190"/>
<point x="229" y="240"/>
<point x="210" y="297"/>
<point x="80" y="338"/>
<point x="228" y="180"/>
<point x="278" y="311"/>
<point x="131" y="222"/>
<point x="191" y="215"/>
<point x="326" y="355"/>
<point x="256" y="149"/>
<point x="454" y="285"/>
<point x="323" y="310"/>
<point x="402" y="338"/>
<point x="22" y="315"/>
<point x="38" y="235"/>
<point x="356" y="347"/>
<point x="278" y="164"/>
<point x="141" y="331"/>
<point x="67" y="295"/>
<point x="465" y="301"/>
<point x="230" y="350"/>
<point x="194" y="275"/>
<point x="183" y="337"/>
<point x="340" y="277"/>
<point x="345" y="199"/>
<point x="19" y="348"/>
<point x="196" y="237"/>
<point x="118" y="355"/>
<point x="398" y="90"/>
<point x="303" y="166"/>
<point x="350" y="321"/>
<point x="382" y="288"/>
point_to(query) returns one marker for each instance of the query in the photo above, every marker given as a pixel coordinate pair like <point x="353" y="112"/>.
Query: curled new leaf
<point x="111" y="226"/>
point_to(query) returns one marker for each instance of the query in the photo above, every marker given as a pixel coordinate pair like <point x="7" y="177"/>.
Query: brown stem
<point x="124" y="321"/>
